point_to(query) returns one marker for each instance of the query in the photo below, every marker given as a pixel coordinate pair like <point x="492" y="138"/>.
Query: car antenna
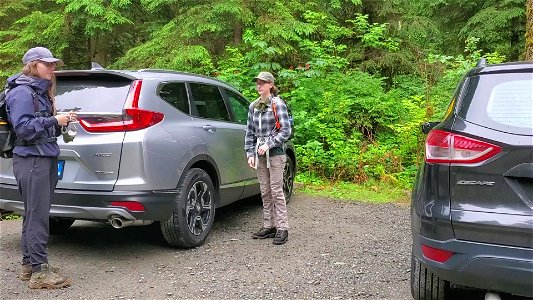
<point x="96" y="66"/>
<point x="481" y="63"/>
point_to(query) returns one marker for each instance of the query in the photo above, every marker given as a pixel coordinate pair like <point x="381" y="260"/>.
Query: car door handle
<point x="209" y="128"/>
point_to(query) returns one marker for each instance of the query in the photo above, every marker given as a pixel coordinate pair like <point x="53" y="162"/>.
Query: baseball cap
<point x="42" y="54"/>
<point x="265" y="76"/>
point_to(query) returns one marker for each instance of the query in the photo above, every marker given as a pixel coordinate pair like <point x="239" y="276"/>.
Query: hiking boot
<point x="48" y="278"/>
<point x="25" y="273"/>
<point x="281" y="237"/>
<point x="264" y="233"/>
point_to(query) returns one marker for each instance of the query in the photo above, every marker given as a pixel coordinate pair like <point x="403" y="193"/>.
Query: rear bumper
<point x="485" y="266"/>
<point x="96" y="205"/>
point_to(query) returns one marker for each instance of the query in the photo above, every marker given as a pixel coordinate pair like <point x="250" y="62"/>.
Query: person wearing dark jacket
<point x="32" y="113"/>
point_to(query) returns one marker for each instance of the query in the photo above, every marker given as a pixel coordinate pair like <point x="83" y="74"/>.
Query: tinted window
<point x="239" y="106"/>
<point x="91" y="95"/>
<point x="176" y="94"/>
<point x="500" y="101"/>
<point x="209" y="102"/>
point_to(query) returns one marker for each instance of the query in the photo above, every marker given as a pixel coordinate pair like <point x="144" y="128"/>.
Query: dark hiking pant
<point x="36" y="178"/>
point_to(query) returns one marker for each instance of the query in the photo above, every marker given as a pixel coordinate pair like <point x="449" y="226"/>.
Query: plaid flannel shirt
<point x="272" y="136"/>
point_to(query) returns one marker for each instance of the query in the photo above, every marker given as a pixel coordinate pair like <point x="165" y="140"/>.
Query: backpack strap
<point x="37" y="113"/>
<point x="274" y="110"/>
<point x="34" y="98"/>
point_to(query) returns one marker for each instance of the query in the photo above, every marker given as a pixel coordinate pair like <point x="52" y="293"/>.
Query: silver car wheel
<point x="194" y="210"/>
<point x="198" y="210"/>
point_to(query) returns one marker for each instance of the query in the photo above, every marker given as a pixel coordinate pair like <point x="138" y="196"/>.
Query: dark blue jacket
<point x="21" y="113"/>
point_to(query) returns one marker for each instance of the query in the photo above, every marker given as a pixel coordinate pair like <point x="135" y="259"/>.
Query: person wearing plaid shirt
<point x="264" y="145"/>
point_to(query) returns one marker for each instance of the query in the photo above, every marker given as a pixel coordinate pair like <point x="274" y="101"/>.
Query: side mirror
<point x="426" y="127"/>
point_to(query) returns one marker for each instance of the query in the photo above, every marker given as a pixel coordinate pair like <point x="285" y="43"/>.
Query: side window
<point x="175" y="93"/>
<point x="239" y="106"/>
<point x="209" y="102"/>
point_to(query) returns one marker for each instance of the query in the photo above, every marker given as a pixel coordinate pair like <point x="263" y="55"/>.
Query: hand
<point x="262" y="150"/>
<point x="72" y="116"/>
<point x="251" y="162"/>
<point x="63" y="120"/>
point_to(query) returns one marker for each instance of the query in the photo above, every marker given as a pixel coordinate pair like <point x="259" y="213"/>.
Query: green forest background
<point x="359" y="76"/>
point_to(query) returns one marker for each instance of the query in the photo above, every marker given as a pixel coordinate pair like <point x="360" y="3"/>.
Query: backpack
<point x="7" y="132"/>
<point x="289" y="112"/>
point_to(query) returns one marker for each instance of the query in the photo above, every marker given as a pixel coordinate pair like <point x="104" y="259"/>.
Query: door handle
<point x="209" y="128"/>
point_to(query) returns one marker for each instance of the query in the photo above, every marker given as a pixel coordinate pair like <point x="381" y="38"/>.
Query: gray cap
<point x="265" y="76"/>
<point x="42" y="54"/>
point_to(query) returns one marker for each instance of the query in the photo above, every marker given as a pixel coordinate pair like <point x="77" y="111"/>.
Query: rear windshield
<point x="500" y="101"/>
<point x="93" y="95"/>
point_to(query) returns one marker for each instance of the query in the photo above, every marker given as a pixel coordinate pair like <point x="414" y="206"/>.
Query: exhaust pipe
<point x="119" y="222"/>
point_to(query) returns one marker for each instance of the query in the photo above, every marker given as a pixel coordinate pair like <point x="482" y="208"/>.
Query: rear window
<point x="98" y="96"/>
<point x="500" y="101"/>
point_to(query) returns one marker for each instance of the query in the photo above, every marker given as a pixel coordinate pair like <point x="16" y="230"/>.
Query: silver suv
<point x="152" y="145"/>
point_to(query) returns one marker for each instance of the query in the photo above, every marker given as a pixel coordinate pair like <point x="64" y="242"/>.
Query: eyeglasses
<point x="49" y="64"/>
<point x="261" y="82"/>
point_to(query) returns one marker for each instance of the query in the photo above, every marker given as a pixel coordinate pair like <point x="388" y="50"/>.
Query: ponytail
<point x="274" y="90"/>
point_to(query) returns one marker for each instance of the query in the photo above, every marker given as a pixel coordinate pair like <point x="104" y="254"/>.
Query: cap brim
<point x="263" y="79"/>
<point x="58" y="61"/>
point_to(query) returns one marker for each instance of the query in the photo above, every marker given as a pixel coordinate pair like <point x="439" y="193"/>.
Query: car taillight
<point x="447" y="147"/>
<point x="132" y="118"/>
<point x="435" y="254"/>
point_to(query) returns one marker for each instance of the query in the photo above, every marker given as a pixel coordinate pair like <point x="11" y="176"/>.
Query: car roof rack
<point x="181" y="73"/>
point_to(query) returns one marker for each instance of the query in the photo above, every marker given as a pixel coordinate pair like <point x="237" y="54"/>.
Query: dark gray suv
<point x="472" y="204"/>
<point x="151" y="145"/>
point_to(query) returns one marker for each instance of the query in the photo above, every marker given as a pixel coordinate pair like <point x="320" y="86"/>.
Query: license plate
<point x="60" y="168"/>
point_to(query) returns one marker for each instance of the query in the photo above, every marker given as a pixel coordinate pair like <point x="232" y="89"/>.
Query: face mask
<point x="69" y="132"/>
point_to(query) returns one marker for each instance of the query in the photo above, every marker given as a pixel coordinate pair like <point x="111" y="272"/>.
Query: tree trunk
<point x="237" y="32"/>
<point x="97" y="50"/>
<point x="528" y="55"/>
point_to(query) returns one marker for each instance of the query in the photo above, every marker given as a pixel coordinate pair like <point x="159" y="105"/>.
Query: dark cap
<point x="42" y="54"/>
<point x="265" y="76"/>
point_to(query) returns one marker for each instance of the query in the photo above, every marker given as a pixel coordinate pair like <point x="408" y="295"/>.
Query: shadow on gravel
<point x="94" y="236"/>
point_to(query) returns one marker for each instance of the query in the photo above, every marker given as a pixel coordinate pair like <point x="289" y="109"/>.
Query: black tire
<point x="60" y="225"/>
<point x="288" y="179"/>
<point x="194" y="211"/>
<point x="425" y="285"/>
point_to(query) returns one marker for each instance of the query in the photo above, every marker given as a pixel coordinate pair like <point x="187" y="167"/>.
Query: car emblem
<point x="475" y="182"/>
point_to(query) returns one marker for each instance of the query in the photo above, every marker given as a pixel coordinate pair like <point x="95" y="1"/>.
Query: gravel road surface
<point x="336" y="250"/>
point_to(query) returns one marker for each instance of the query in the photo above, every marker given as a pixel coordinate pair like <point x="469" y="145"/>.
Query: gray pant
<point x="271" y="183"/>
<point x="36" y="178"/>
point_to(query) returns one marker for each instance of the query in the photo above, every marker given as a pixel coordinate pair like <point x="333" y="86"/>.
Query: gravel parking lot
<point x="336" y="250"/>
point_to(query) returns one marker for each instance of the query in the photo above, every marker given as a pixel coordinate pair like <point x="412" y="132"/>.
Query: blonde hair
<point x="30" y="69"/>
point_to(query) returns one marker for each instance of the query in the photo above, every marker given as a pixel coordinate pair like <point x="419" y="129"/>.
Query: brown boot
<point x="48" y="278"/>
<point x="25" y="273"/>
